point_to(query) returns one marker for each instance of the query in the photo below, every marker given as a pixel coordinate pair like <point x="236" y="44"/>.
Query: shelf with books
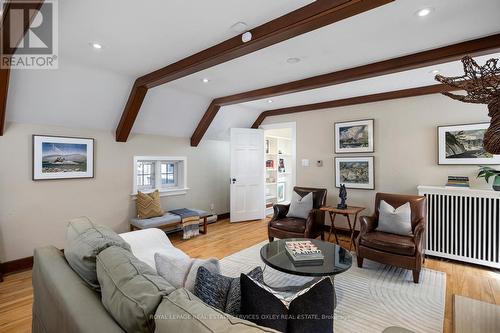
<point x="279" y="164"/>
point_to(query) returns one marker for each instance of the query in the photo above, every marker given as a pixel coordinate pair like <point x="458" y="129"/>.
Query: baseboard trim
<point x="16" y="265"/>
<point x="221" y="217"/>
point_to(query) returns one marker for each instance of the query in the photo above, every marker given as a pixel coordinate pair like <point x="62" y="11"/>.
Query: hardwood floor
<point x="224" y="239"/>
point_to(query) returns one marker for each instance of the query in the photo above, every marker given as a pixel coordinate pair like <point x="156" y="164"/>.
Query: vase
<point x="496" y="183"/>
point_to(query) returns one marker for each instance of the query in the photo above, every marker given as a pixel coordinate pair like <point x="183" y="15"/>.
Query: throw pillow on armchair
<point x="300" y="207"/>
<point x="395" y="220"/>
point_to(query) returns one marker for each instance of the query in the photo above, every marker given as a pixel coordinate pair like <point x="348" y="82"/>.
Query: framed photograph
<point x="281" y="192"/>
<point x="463" y="144"/>
<point x="355" y="172"/>
<point x="354" y="137"/>
<point x="57" y="157"/>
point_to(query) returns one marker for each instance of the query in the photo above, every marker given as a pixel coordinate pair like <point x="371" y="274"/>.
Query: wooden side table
<point x="350" y="210"/>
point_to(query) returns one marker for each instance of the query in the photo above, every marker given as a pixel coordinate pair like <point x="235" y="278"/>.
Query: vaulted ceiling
<point x="91" y="87"/>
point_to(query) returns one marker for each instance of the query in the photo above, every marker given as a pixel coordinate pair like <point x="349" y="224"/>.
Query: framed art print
<point x="355" y="172"/>
<point x="463" y="144"/>
<point x="57" y="157"/>
<point x="354" y="137"/>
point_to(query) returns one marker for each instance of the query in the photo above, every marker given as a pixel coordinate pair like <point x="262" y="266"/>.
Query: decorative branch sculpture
<point x="482" y="84"/>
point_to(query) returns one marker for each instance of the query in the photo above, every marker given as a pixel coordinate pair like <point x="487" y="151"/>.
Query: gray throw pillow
<point x="394" y="220"/>
<point x="181" y="271"/>
<point x="84" y="241"/>
<point x="130" y="289"/>
<point x="300" y="207"/>
<point x="222" y="292"/>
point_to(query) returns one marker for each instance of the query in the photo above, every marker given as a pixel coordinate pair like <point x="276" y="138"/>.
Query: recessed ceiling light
<point x="293" y="60"/>
<point x="269" y="101"/>
<point x="424" y="12"/>
<point x="96" y="45"/>
<point x="435" y="71"/>
<point x="205" y="80"/>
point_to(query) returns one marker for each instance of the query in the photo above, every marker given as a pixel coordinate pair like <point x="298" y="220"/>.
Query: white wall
<point x="36" y="213"/>
<point x="405" y="144"/>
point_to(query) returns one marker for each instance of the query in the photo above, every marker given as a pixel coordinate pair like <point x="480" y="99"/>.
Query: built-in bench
<point x="168" y="221"/>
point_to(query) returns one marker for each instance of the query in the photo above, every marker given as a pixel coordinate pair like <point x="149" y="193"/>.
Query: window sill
<point x="167" y="192"/>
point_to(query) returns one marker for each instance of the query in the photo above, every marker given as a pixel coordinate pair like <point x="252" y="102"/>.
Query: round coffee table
<point x="337" y="260"/>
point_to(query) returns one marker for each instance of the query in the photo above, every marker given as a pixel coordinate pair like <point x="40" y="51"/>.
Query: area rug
<point x="369" y="299"/>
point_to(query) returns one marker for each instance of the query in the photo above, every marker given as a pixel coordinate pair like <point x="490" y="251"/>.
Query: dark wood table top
<point x="349" y="210"/>
<point x="337" y="259"/>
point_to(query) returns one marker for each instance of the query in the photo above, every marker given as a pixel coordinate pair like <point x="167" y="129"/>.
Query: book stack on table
<point x="304" y="253"/>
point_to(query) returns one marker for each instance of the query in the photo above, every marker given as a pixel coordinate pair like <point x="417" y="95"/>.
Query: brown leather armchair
<point x="401" y="251"/>
<point x="281" y="226"/>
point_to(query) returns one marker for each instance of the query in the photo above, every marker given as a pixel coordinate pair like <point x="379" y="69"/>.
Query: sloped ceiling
<point x="90" y="87"/>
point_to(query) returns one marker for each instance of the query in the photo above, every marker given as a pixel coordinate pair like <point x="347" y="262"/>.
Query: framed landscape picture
<point x="354" y="137"/>
<point x="57" y="157"/>
<point x="355" y="172"/>
<point x="463" y="144"/>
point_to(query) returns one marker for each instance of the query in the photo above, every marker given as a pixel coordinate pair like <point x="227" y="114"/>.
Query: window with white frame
<point x="164" y="173"/>
<point x="168" y="173"/>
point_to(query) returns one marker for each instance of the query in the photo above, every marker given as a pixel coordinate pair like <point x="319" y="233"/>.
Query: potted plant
<point x="487" y="172"/>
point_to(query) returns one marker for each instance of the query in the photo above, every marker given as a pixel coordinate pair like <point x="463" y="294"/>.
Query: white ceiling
<point x="91" y="87"/>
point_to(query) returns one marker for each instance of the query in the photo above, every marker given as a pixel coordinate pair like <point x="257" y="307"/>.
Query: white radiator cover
<point x="463" y="224"/>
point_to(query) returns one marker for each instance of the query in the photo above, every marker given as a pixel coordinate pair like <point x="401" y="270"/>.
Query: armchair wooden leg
<point x="271" y="239"/>
<point x="360" y="262"/>
<point x="416" y="276"/>
<point x="322" y="235"/>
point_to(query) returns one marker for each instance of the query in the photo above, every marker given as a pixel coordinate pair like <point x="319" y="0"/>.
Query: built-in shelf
<point x="280" y="187"/>
<point x="278" y="137"/>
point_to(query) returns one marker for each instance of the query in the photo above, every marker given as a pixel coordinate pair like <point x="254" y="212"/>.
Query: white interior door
<point x="247" y="175"/>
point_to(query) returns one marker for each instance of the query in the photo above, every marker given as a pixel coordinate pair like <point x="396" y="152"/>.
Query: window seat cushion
<point x="164" y="220"/>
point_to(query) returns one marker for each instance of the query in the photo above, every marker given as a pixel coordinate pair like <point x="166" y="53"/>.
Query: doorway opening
<point x="280" y="165"/>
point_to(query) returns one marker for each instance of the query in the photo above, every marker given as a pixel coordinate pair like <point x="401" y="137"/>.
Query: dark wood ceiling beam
<point x="5" y="71"/>
<point x="308" y="18"/>
<point x="127" y="120"/>
<point x="412" y="92"/>
<point x="208" y="117"/>
<point x="440" y="55"/>
<point x="4" y="92"/>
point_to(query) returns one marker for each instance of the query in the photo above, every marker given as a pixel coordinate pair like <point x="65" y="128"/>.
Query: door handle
<point x="233" y="181"/>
